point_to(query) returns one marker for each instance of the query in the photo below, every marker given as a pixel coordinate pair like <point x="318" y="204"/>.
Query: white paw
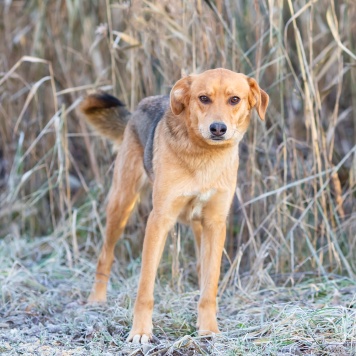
<point x="139" y="338"/>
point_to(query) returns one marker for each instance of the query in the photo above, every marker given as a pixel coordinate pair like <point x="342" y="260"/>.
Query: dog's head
<point x="217" y="104"/>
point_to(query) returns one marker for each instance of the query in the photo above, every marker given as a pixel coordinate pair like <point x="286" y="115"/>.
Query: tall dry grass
<point x="294" y="215"/>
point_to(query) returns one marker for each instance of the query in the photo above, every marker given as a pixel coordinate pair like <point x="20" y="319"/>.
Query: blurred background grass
<point x="294" y="214"/>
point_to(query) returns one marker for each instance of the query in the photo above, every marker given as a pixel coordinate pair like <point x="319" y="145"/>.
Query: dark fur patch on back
<point x="154" y="109"/>
<point x="99" y="101"/>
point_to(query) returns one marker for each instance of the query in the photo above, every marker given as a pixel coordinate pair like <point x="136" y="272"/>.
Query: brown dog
<point x="187" y="146"/>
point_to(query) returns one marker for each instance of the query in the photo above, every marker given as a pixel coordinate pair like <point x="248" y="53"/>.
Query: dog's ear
<point x="180" y="95"/>
<point x="258" y="98"/>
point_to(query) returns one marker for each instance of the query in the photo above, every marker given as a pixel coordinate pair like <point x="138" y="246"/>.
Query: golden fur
<point x="194" y="172"/>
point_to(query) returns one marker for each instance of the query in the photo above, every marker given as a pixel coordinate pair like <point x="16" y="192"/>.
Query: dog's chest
<point x="195" y="205"/>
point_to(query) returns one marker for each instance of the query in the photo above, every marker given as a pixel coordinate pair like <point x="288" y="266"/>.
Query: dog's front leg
<point x="157" y="228"/>
<point x="212" y="245"/>
<point x="211" y="248"/>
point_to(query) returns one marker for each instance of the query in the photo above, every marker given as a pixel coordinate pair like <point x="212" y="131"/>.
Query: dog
<point x="186" y="145"/>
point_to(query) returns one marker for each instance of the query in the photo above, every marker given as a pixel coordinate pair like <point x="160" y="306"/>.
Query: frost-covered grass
<point x="43" y="312"/>
<point x="288" y="276"/>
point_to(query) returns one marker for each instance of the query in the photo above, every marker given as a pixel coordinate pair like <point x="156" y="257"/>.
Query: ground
<point x="43" y="312"/>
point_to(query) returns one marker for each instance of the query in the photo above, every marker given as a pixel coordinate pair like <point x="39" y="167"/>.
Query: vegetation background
<point x="288" y="282"/>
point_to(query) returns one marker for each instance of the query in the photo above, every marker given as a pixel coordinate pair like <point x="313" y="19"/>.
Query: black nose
<point x="218" y="128"/>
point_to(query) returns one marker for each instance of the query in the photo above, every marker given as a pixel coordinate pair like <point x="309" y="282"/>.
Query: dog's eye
<point x="204" y="99"/>
<point x="234" y="100"/>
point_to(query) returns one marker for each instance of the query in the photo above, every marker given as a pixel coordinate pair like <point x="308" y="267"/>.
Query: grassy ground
<point x="45" y="312"/>
<point x="288" y="275"/>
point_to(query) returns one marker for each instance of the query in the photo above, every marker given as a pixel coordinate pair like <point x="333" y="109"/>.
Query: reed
<point x="292" y="226"/>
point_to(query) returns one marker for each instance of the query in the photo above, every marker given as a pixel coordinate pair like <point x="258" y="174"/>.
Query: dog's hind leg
<point x="129" y="177"/>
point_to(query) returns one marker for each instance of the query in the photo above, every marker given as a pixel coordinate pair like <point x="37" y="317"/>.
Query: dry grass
<point x="44" y="311"/>
<point x="289" y="266"/>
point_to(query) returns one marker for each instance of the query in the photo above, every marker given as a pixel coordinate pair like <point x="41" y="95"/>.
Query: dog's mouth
<point x="217" y="138"/>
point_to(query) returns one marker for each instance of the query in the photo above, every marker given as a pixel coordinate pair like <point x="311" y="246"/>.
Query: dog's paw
<point x="139" y="338"/>
<point x="202" y="332"/>
<point x="141" y="330"/>
<point x="94" y="298"/>
<point x="208" y="326"/>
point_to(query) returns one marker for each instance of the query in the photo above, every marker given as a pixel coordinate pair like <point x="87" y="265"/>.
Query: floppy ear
<point x="258" y="98"/>
<point x="180" y="95"/>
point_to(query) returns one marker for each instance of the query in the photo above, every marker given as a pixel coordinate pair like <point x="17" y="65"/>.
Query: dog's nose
<point x="218" y="128"/>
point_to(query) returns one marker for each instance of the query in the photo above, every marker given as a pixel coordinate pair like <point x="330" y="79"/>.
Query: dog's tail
<point x="106" y="114"/>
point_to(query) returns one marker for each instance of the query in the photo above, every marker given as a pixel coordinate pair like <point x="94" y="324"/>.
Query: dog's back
<point x="109" y="116"/>
<point x="145" y="119"/>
